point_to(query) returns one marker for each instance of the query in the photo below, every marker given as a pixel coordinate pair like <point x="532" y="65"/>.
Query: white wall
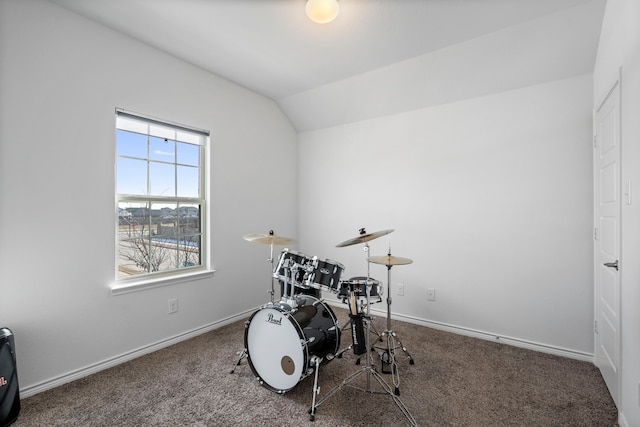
<point x="491" y="197"/>
<point x="61" y="77"/>
<point x="620" y="49"/>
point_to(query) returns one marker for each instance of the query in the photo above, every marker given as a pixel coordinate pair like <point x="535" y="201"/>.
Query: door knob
<point x="612" y="264"/>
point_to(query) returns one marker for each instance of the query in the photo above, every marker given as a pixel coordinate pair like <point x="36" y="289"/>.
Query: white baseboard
<point x="544" y="348"/>
<point x="125" y="357"/>
<point x="622" y="421"/>
<point x="109" y="363"/>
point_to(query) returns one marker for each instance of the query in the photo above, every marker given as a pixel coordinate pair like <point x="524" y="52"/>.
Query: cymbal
<point x="268" y="239"/>
<point x="390" y="260"/>
<point x="363" y="237"/>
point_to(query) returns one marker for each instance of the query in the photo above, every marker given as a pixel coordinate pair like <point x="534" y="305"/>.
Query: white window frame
<point x="126" y="120"/>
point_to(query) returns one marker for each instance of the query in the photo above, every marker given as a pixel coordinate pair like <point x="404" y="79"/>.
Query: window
<point x="160" y="193"/>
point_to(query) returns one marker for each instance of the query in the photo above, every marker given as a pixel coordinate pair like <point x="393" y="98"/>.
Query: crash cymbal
<point x="363" y="237"/>
<point x="390" y="260"/>
<point x="268" y="239"/>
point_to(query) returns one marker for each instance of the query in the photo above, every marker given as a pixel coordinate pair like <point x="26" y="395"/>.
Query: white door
<point x="607" y="239"/>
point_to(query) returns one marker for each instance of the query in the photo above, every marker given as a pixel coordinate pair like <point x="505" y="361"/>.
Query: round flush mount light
<point x="322" y="11"/>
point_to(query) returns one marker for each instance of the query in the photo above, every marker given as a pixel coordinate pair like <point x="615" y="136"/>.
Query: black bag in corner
<point x="9" y="391"/>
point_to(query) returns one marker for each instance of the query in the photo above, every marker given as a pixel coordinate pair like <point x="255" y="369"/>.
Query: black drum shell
<point x="325" y="274"/>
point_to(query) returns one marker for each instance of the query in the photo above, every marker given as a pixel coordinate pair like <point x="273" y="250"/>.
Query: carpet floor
<point x="455" y="381"/>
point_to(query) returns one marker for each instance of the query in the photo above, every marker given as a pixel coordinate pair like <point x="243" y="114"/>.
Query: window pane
<point x="131" y="144"/>
<point x="163" y="150"/>
<point x="164" y="254"/>
<point x="132" y="213"/>
<point x="133" y="239"/>
<point x="127" y="250"/>
<point x="188" y="181"/>
<point x="189" y="219"/>
<point x="189" y="251"/>
<point x="163" y="250"/>
<point x="188" y="154"/>
<point x="161" y="179"/>
<point x="132" y="176"/>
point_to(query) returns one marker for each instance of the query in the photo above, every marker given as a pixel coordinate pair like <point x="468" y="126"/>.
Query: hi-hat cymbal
<point x="390" y="260"/>
<point x="363" y="237"/>
<point x="268" y="239"/>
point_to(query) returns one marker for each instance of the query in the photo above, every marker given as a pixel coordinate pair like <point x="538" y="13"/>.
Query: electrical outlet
<point x="173" y="305"/>
<point x="431" y="294"/>
<point x="400" y="288"/>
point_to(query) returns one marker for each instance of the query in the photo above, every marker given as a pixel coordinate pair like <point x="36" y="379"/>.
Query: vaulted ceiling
<point x="378" y="57"/>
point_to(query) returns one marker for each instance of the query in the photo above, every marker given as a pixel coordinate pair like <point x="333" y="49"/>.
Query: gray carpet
<point x="455" y="381"/>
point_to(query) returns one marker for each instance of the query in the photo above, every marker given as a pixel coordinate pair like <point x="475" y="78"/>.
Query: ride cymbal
<point x="390" y="260"/>
<point x="363" y="237"/>
<point x="268" y="239"/>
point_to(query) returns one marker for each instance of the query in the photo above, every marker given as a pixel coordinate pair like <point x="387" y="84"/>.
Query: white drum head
<point x="274" y="348"/>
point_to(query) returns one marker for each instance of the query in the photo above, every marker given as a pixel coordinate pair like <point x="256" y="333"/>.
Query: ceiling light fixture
<point x="322" y="11"/>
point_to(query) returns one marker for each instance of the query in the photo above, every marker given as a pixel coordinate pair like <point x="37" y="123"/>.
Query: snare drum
<point x="325" y="274"/>
<point x="293" y="267"/>
<point x="280" y="341"/>
<point x="358" y="285"/>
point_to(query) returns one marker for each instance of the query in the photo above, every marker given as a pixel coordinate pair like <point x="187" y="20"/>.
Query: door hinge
<point x="595" y="233"/>
<point x="595" y="326"/>
<point x="595" y="141"/>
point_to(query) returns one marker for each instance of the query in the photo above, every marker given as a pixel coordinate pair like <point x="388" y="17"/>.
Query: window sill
<point x="141" y="285"/>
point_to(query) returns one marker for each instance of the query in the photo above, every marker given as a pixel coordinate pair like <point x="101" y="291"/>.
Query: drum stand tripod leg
<point x="341" y="352"/>
<point x="368" y="370"/>
<point x="316" y="389"/>
<point x="396" y="344"/>
<point x="243" y="354"/>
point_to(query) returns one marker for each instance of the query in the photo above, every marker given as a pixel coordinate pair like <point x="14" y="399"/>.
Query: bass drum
<point x="281" y="341"/>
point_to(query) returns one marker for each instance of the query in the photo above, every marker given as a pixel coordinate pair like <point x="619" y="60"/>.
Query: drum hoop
<point x="292" y="251"/>
<point x="361" y="282"/>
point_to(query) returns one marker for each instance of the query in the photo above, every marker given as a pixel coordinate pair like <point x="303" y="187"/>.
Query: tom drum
<point x="293" y="267"/>
<point x="325" y="274"/>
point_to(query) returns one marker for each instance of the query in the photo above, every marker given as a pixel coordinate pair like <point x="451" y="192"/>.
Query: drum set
<point x="287" y="340"/>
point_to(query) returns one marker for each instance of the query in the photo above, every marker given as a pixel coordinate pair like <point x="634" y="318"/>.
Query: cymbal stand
<point x="368" y="369"/>
<point x="389" y="333"/>
<point x="272" y="292"/>
<point x="388" y="356"/>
